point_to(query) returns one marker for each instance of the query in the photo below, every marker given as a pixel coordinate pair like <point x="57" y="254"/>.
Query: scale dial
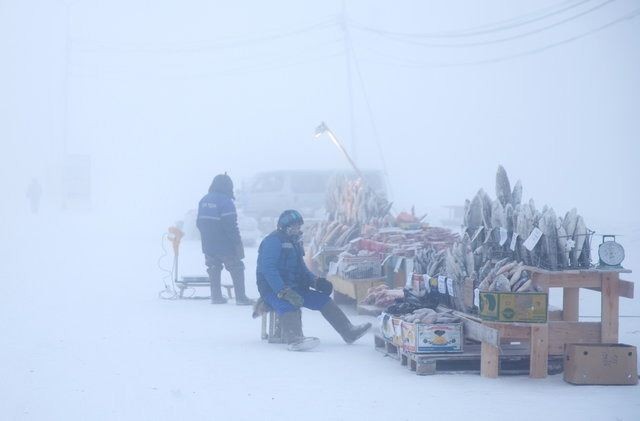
<point x="611" y="253"/>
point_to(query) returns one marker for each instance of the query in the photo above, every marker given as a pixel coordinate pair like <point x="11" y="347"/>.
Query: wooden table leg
<point x="610" y="308"/>
<point x="570" y="304"/>
<point x="539" y="351"/>
<point x="489" y="360"/>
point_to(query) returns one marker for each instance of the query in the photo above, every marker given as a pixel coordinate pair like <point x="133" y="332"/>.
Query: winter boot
<point x="214" y="282"/>
<point x="291" y="326"/>
<point x="336" y="318"/>
<point x="237" y="276"/>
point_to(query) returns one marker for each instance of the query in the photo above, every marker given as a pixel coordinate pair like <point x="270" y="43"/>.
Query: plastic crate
<point x="359" y="267"/>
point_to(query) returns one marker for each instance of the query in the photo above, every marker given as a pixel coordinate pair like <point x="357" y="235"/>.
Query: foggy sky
<point x="165" y="94"/>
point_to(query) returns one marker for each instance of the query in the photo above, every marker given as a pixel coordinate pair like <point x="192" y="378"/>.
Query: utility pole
<point x="65" y="82"/>
<point x="347" y="47"/>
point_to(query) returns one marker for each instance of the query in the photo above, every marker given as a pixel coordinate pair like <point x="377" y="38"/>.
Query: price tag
<point x="450" y="287"/>
<point x="408" y="270"/>
<point x="514" y="237"/>
<point x="442" y="284"/>
<point x="425" y="281"/>
<point x="333" y="268"/>
<point x="533" y="239"/>
<point x="503" y="236"/>
<point x="433" y="284"/>
<point x="476" y="297"/>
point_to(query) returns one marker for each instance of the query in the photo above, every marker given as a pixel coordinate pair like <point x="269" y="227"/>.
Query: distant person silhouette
<point x="34" y="192"/>
<point x="221" y="242"/>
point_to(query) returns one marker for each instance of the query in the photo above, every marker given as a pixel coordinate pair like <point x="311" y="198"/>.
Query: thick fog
<point x="163" y="95"/>
<point x="124" y="111"/>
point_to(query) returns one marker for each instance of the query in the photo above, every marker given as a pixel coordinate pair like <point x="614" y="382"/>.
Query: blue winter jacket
<point x="218" y="225"/>
<point x="281" y="264"/>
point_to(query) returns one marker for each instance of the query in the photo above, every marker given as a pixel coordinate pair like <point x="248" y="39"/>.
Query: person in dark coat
<point x="286" y="284"/>
<point x="221" y="243"/>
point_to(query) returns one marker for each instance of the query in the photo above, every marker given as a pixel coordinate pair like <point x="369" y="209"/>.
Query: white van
<point x="267" y="194"/>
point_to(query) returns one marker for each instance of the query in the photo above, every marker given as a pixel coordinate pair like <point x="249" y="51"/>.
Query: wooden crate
<point x="355" y="289"/>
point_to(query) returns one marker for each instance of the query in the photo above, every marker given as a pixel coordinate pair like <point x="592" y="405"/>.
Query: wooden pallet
<point x="514" y="359"/>
<point x="386" y="347"/>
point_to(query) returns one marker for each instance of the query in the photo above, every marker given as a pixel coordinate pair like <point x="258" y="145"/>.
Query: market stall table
<point x="550" y="338"/>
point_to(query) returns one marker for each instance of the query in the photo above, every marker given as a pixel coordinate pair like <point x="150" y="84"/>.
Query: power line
<point x="218" y="64"/>
<point x="484" y="29"/>
<point x="205" y="46"/>
<point x="296" y="61"/>
<point x="416" y="64"/>
<point x="348" y="48"/>
<point x="374" y="127"/>
<point x="504" y="39"/>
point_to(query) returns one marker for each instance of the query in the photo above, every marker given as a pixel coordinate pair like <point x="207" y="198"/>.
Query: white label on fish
<point x="333" y="268"/>
<point x="570" y="244"/>
<point x="442" y="284"/>
<point x="425" y="280"/>
<point x="450" y="287"/>
<point x="514" y="237"/>
<point x="408" y="267"/>
<point x="476" y="297"/>
<point x="398" y="264"/>
<point x="503" y="236"/>
<point x="533" y="239"/>
<point x="478" y="231"/>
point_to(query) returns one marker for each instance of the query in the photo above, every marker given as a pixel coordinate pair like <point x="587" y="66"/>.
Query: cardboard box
<point x="386" y="326"/>
<point x="521" y="307"/>
<point x="396" y="323"/>
<point x="601" y="364"/>
<point x="422" y="338"/>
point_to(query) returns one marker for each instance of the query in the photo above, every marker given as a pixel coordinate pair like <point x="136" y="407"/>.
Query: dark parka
<point x="281" y="264"/>
<point x="218" y="225"/>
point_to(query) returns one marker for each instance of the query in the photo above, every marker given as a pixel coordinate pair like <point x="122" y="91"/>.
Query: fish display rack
<point x="545" y="255"/>
<point x="549" y="261"/>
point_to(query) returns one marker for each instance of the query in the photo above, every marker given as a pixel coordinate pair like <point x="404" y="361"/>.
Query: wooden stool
<point x="229" y="288"/>
<point x="271" y="330"/>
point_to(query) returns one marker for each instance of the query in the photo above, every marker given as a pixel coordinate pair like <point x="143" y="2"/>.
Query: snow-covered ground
<point x="84" y="336"/>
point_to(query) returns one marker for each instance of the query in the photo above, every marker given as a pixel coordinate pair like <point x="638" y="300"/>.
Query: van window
<point x="268" y="183"/>
<point x="309" y="183"/>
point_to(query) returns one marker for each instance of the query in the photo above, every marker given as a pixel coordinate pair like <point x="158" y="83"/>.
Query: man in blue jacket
<point x="286" y="284"/>
<point x="221" y="242"/>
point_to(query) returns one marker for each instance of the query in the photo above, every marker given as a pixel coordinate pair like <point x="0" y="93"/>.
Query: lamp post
<point x="324" y="129"/>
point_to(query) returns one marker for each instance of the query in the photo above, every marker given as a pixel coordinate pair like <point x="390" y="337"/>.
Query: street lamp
<point x="324" y="129"/>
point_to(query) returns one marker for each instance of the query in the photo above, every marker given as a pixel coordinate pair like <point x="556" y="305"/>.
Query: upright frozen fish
<point x="503" y="187"/>
<point x="516" y="194"/>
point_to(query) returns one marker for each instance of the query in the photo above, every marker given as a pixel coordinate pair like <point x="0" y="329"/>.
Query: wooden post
<point x="489" y="360"/>
<point x="539" y="351"/>
<point x="263" y="332"/>
<point x="610" y="308"/>
<point x="570" y="304"/>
